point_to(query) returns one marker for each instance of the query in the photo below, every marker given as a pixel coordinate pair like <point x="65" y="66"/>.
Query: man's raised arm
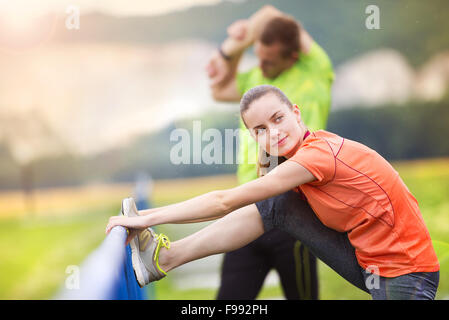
<point x="222" y="67"/>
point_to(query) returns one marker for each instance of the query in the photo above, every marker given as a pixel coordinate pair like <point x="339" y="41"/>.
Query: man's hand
<point x="218" y="69"/>
<point x="238" y="29"/>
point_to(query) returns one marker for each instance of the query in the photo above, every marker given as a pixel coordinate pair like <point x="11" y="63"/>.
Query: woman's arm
<point x="283" y="178"/>
<point x="215" y="204"/>
<point x="174" y="206"/>
<point x="201" y="208"/>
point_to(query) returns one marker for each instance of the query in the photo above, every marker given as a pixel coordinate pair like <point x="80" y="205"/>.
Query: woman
<point x="338" y="197"/>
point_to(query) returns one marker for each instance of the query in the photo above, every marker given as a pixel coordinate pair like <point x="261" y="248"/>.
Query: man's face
<point x="271" y="61"/>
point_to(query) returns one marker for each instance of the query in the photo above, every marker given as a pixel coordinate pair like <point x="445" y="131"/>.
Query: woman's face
<point x="274" y="126"/>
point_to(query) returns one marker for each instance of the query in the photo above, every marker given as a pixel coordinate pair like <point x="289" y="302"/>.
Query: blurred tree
<point x="28" y="137"/>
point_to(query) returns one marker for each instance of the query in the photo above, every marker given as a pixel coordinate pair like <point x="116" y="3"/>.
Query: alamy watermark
<point x="72" y="21"/>
<point x="372" y="22"/>
<point x="373" y="280"/>
<point x="72" y="282"/>
<point x="189" y="149"/>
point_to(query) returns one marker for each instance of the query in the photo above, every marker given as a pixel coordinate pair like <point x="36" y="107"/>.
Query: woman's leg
<point x="290" y="213"/>
<point x="229" y="233"/>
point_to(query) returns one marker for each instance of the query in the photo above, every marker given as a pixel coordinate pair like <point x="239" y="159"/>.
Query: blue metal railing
<point x="107" y="273"/>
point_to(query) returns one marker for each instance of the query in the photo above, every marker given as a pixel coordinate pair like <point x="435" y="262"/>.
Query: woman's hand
<point x="134" y="223"/>
<point x="131" y="234"/>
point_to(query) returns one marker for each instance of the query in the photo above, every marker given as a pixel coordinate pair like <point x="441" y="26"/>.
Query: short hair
<point x="284" y="30"/>
<point x="258" y="92"/>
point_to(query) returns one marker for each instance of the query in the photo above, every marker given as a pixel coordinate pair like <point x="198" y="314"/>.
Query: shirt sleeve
<point x="318" y="158"/>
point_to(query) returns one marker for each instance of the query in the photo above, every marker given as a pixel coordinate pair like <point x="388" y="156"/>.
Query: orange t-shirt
<point x="358" y="192"/>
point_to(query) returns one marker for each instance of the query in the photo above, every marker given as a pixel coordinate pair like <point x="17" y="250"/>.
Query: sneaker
<point x="145" y="249"/>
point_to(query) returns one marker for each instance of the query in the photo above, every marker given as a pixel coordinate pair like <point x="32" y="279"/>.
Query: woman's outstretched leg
<point x="229" y="233"/>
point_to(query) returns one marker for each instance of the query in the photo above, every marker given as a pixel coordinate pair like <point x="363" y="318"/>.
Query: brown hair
<point x="284" y="30"/>
<point x="265" y="161"/>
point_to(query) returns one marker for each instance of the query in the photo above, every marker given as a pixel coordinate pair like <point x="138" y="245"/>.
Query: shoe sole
<point x="137" y="263"/>
<point x="135" y="258"/>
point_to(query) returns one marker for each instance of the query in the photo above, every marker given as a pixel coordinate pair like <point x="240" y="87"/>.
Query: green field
<point x="67" y="226"/>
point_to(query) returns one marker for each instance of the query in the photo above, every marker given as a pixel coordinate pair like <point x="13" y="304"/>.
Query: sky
<point x="20" y="16"/>
<point x="32" y="8"/>
<point x="77" y="89"/>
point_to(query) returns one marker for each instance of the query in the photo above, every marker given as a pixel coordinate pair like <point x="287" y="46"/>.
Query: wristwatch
<point x="224" y="55"/>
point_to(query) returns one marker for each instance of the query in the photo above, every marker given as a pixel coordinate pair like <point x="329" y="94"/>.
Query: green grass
<point x="34" y="253"/>
<point x="429" y="183"/>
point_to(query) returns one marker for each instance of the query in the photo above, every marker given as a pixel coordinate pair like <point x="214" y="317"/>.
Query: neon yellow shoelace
<point x="163" y="241"/>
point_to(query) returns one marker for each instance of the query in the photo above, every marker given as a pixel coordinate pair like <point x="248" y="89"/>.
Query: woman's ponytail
<point x="267" y="162"/>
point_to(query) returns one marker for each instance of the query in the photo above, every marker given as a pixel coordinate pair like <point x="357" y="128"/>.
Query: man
<point x="290" y="60"/>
